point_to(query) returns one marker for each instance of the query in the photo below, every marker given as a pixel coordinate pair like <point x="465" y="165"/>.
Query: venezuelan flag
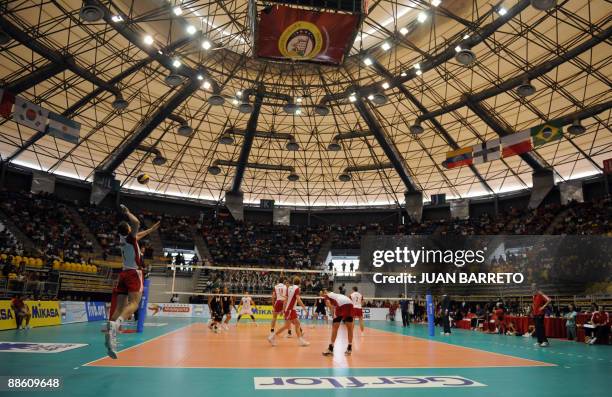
<point x="458" y="158"/>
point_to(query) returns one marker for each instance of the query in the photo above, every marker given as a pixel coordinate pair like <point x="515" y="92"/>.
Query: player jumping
<point x="343" y="308"/>
<point x="127" y="293"/>
<point x="293" y="298"/>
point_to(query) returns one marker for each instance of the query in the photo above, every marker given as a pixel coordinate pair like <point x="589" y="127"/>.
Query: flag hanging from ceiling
<point x="7" y="99"/>
<point x="458" y="158"/>
<point x="487" y="151"/>
<point x="30" y="115"/>
<point x="304" y="35"/>
<point x="545" y="133"/>
<point x="63" y="128"/>
<point x="517" y="143"/>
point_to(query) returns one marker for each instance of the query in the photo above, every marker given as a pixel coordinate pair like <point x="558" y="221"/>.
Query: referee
<point x="404" y="309"/>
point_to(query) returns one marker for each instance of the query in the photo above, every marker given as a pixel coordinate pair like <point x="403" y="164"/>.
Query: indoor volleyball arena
<point x="306" y="198"/>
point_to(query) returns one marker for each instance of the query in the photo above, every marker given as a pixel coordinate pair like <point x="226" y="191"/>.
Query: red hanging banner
<point x="286" y="33"/>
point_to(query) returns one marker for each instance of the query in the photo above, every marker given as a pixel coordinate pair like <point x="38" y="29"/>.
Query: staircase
<point x="76" y="218"/>
<point x="200" y="277"/>
<point x="28" y="245"/>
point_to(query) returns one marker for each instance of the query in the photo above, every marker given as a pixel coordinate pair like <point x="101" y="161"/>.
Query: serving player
<point x="279" y="298"/>
<point x="357" y="300"/>
<point x="342" y="308"/>
<point x="291" y="318"/>
<point x="246" y="303"/>
<point x="127" y="293"/>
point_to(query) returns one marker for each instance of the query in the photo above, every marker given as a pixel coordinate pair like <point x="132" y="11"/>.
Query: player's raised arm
<point x="145" y="233"/>
<point x="132" y="220"/>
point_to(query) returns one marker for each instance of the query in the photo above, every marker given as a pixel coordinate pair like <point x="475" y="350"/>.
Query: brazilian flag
<point x="545" y="133"/>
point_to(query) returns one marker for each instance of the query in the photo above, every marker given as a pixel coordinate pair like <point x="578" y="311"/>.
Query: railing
<point x="9" y="288"/>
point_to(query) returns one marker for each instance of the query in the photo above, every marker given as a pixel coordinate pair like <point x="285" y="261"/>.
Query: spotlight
<point x="385" y="46"/>
<point x="159" y="160"/>
<point x="177" y="11"/>
<point x="502" y="11"/>
<point x="245" y="107"/>
<point x="543" y="5"/>
<point x="370" y="97"/>
<point x="173" y="79"/>
<point x="321" y="110"/>
<point x="422" y="17"/>
<point x="206" y="45"/>
<point x="436" y="3"/>
<point x="290" y="108"/>
<point x="214" y="170"/>
<point x="403" y="31"/>
<point x="334" y="147"/>
<point x="464" y="56"/>
<point x="91" y="12"/>
<point x="148" y="39"/>
<point x="525" y="89"/>
<point x="352" y="98"/>
<point x="206" y="85"/>
<point x="385" y="85"/>
<point x="176" y="63"/>
<point x="293" y="177"/>
<point x="200" y="77"/>
<point x="226" y="139"/>
<point x="379" y="98"/>
<point x="417" y="66"/>
<point x="298" y="111"/>
<point x="238" y="94"/>
<point x="344" y="177"/>
<point x="576" y="128"/>
<point x="292" y="146"/>
<point x="191" y="29"/>
<point x="368" y="61"/>
<point x="185" y="130"/>
<point x="117" y="18"/>
<point x="403" y="74"/>
<point x="416" y="128"/>
<point x="119" y="103"/>
<point x="216" y="100"/>
<point x="235" y="101"/>
<point x="299" y="99"/>
<point x="419" y="72"/>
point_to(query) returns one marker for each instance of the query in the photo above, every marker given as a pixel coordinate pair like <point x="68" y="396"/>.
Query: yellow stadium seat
<point x="3" y="256"/>
<point x="56" y="266"/>
<point x="94" y="269"/>
<point x="39" y="262"/>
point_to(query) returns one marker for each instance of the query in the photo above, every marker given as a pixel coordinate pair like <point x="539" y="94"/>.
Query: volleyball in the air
<point x="143" y="179"/>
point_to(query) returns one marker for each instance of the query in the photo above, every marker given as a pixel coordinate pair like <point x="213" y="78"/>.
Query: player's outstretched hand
<point x="124" y="209"/>
<point x="155" y="226"/>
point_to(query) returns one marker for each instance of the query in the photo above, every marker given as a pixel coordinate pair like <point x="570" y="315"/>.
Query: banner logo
<point x="27" y="347"/>
<point x="362" y="382"/>
<point x="96" y="311"/>
<point x="300" y="40"/>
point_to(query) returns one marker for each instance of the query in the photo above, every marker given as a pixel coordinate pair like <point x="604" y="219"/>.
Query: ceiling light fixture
<point x="576" y="128"/>
<point x="191" y="29"/>
<point x="403" y="31"/>
<point x="148" y="39"/>
<point x="206" y="85"/>
<point x="368" y="61"/>
<point x="177" y="11"/>
<point x="543" y="5"/>
<point x="117" y="18"/>
<point x="502" y="11"/>
<point x="436" y="3"/>
<point x="91" y="12"/>
<point x="422" y="17"/>
<point x="416" y="128"/>
<point x="385" y="46"/>
<point x="385" y="85"/>
<point x="525" y="89"/>
<point x="206" y="45"/>
<point x="176" y="63"/>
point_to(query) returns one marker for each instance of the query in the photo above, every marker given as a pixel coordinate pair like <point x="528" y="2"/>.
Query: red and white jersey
<point x="338" y="299"/>
<point x="356" y="298"/>
<point x="293" y="292"/>
<point x="130" y="251"/>
<point x="280" y="290"/>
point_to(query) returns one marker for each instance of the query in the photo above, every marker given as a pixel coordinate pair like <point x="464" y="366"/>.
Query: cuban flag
<point x="30" y="115"/>
<point x="63" y="128"/>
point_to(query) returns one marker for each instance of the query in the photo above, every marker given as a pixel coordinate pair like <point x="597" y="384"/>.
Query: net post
<point x="430" y="314"/>
<point x="142" y="308"/>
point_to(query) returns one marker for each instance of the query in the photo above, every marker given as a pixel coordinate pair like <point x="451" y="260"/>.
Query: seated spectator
<point x="600" y="320"/>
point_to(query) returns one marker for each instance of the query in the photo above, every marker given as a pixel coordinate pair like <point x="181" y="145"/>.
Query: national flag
<point x="7" y="99"/>
<point x="548" y="132"/>
<point x="487" y="151"/>
<point x="517" y="143"/>
<point x="63" y="128"/>
<point x="458" y="158"/>
<point x="30" y="115"/>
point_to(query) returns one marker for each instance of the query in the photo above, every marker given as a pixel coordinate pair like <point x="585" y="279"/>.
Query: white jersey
<point x="246" y="303"/>
<point x="130" y="252"/>
<point x="293" y="292"/>
<point x="338" y="299"/>
<point x="356" y="298"/>
<point x="281" y="292"/>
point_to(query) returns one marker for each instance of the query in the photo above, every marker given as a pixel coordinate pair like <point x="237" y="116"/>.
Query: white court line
<point x="472" y="348"/>
<point x="141" y="343"/>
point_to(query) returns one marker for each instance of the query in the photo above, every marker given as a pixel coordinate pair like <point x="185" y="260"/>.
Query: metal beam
<point x="262" y="134"/>
<point x="247" y="144"/>
<point x="386" y="144"/>
<point x="31" y="79"/>
<point x="368" y="167"/>
<point x="124" y="28"/>
<point x="53" y="56"/>
<point x="437" y="126"/>
<point x="584" y="113"/>
<point x="260" y="166"/>
<point x="140" y="133"/>
<point x="475" y="38"/>
<point x="535" y="163"/>
<point x="514" y="82"/>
